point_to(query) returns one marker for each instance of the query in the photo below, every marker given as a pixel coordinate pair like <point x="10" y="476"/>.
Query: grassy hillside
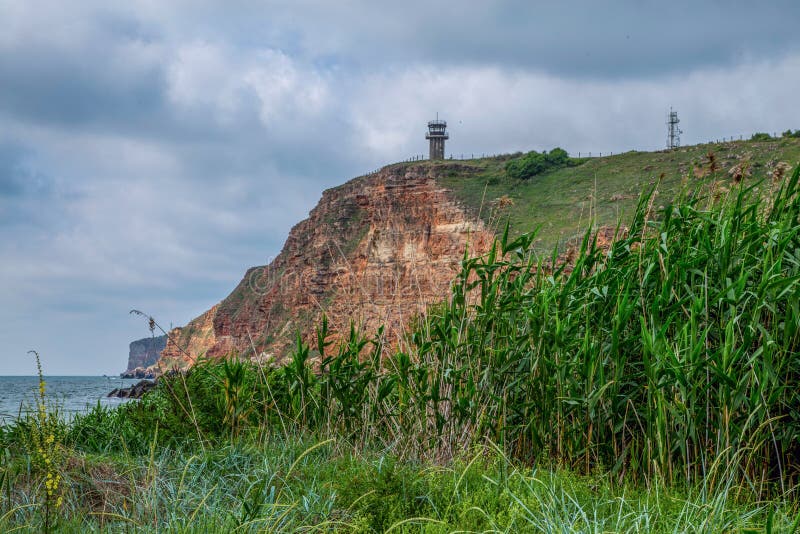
<point x="563" y="201"/>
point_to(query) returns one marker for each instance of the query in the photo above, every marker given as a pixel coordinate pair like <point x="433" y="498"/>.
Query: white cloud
<point x="502" y="110"/>
<point x="228" y="83"/>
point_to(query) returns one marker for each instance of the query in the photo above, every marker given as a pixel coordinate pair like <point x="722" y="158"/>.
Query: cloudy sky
<point x="150" y="151"/>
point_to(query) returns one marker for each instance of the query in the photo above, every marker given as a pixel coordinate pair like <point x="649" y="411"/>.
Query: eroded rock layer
<point x="376" y="251"/>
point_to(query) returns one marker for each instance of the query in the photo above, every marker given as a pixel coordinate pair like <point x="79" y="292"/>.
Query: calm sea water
<point x="72" y="394"/>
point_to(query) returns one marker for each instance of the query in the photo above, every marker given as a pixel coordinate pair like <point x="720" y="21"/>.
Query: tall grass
<point x="673" y="350"/>
<point x="296" y="486"/>
<point x="667" y="359"/>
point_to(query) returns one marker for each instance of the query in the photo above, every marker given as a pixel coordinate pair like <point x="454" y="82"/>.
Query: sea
<point x="70" y="394"/>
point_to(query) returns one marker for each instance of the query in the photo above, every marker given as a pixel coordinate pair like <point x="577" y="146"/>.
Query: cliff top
<point x="563" y="201"/>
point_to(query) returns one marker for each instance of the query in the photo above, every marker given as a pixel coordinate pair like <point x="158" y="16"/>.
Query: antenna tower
<point x="673" y="132"/>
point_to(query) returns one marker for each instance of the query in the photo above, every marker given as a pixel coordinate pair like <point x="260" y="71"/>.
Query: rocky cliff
<point x="144" y="353"/>
<point x="375" y="251"/>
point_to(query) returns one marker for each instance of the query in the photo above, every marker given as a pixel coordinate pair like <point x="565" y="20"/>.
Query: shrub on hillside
<point x="534" y="163"/>
<point x="760" y="136"/>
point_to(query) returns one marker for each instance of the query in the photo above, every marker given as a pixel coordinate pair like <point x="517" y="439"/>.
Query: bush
<point x="211" y="400"/>
<point x="760" y="136"/>
<point x="534" y="163"/>
<point x="789" y="133"/>
<point x="108" y="429"/>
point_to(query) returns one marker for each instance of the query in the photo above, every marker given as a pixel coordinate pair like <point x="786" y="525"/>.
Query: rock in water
<point x="136" y="391"/>
<point x="139" y="372"/>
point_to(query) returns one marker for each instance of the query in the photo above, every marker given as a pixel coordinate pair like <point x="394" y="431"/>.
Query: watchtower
<point x="437" y="133"/>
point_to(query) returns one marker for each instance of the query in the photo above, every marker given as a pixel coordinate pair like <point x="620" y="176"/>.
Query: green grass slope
<point x="603" y="189"/>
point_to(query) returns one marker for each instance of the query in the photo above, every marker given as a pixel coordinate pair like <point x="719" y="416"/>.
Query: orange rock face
<point x="375" y="251"/>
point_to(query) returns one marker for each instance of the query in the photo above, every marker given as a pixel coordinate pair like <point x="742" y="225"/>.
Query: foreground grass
<point x="302" y="485"/>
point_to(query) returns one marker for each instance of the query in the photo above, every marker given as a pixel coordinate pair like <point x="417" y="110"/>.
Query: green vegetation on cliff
<point x="562" y="202"/>
<point x="535" y="163"/>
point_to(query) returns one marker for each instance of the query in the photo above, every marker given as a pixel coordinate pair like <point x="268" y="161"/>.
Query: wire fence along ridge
<point x="580" y="154"/>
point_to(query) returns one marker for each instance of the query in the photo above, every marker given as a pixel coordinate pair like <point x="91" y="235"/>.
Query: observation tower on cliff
<point x="437" y="133"/>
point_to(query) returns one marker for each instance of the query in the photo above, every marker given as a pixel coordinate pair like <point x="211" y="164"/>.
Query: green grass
<point x="302" y="485"/>
<point x="604" y="189"/>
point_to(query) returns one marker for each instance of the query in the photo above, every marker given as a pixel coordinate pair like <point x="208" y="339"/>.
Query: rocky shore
<point x="139" y="372"/>
<point x="135" y="391"/>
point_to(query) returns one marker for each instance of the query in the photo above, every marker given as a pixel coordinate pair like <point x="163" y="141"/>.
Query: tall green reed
<point x="653" y="357"/>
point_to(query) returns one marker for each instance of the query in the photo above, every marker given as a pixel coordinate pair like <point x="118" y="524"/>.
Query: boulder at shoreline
<point x="136" y="391"/>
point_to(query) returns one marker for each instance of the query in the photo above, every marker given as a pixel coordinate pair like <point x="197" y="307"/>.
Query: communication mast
<point x="673" y="132"/>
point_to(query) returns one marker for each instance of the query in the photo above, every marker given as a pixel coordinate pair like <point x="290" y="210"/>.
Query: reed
<point x="666" y="361"/>
<point x="671" y="350"/>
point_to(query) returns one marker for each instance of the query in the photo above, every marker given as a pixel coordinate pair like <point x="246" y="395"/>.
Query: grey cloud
<point x="17" y="177"/>
<point x="582" y="39"/>
<point x="26" y="192"/>
<point x="90" y="84"/>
